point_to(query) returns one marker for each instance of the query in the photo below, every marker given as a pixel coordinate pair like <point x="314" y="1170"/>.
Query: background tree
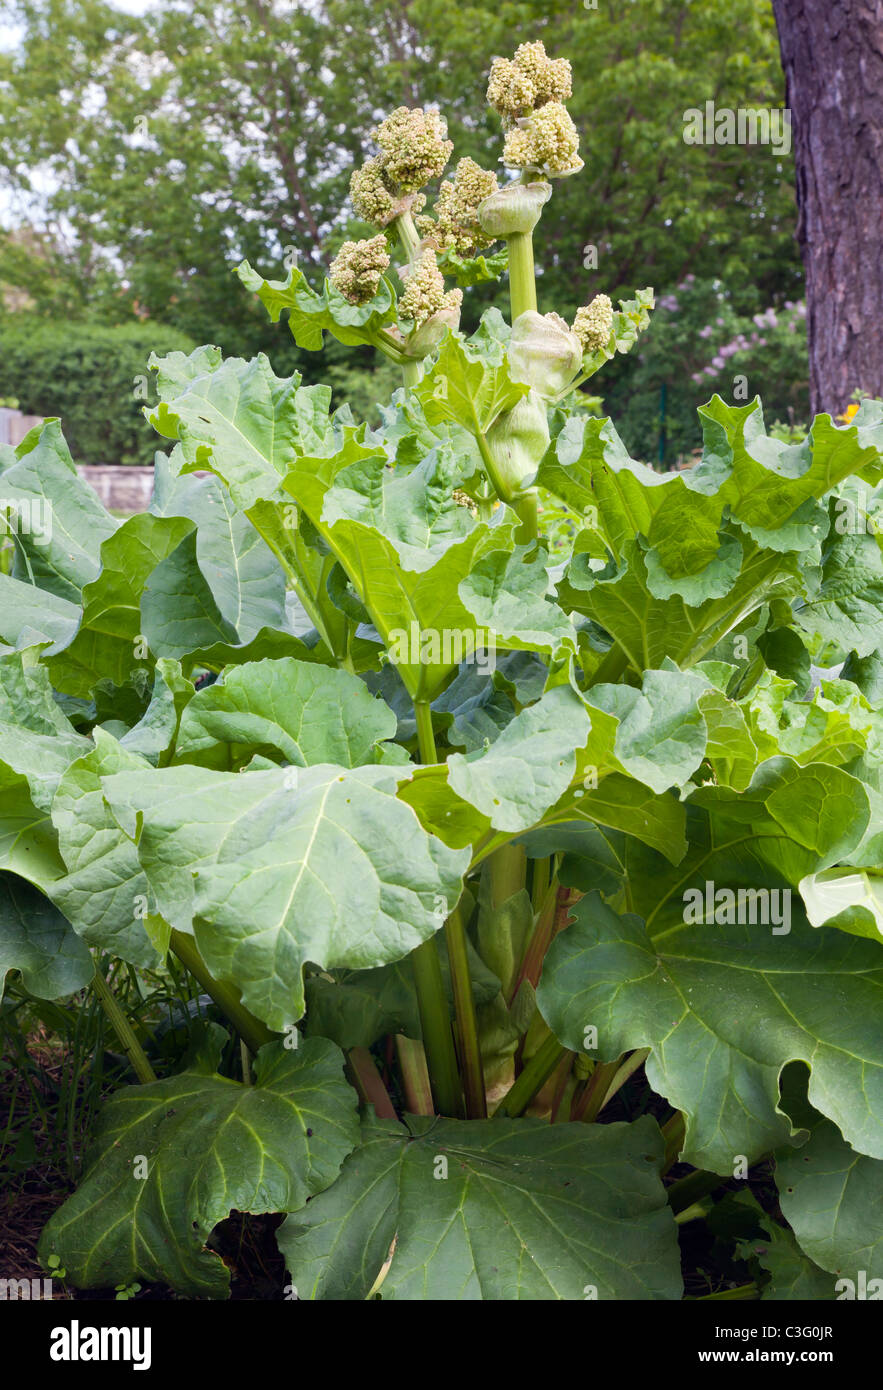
<point x="159" y="151"/>
<point x="832" y="53"/>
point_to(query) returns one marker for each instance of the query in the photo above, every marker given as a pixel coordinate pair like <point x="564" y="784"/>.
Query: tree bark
<point x="832" y="53"/>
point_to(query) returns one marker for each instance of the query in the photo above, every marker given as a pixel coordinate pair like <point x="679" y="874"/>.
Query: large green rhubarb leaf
<point x="724" y="1008"/>
<point x="273" y="869"/>
<point x="104" y="892"/>
<point x="650" y="622"/>
<point x="238" y="419"/>
<point x="491" y="1209"/>
<point x="406" y="546"/>
<point x="770" y="488"/>
<point x="60" y="522"/>
<point x="529" y="766"/>
<point x="32" y="617"/>
<point x="245" y="577"/>
<point x="783" y="1271"/>
<point x="846" y="611"/>
<point x="690" y="555"/>
<point x="106" y="645"/>
<point x="832" y="1197"/>
<point x="171" y="1159"/>
<point x="469" y="383"/>
<point x="304" y="713"/>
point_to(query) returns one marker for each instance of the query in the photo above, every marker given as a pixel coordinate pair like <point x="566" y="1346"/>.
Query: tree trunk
<point x="832" y="53"/>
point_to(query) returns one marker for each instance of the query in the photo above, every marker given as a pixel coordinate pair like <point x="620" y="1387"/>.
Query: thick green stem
<point x="628" y="1069"/>
<point x="385" y="342"/>
<point x="425" y="734"/>
<point x="683" y="1193"/>
<point x="532" y="1079"/>
<point x="415" y="1076"/>
<point x="539" y="883"/>
<point x="409" y="237"/>
<point x="409" y="240"/>
<point x="496" y="481"/>
<point x="613" y="666"/>
<point x="525" y="508"/>
<point x="467" y="1024"/>
<point x="123" y="1029"/>
<point x="412" y="372"/>
<point x="436" y="1026"/>
<point x="565" y="1067"/>
<point x="507" y="871"/>
<point x="591" y="1102"/>
<point x="431" y="999"/>
<point x="674" y="1132"/>
<point x="551" y="919"/>
<point x="251" y="1030"/>
<point x="522" y="278"/>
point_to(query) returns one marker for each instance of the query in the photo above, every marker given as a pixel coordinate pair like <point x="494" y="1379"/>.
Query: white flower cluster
<point x="454" y="224"/>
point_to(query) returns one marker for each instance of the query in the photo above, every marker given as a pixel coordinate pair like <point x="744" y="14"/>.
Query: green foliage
<point x="93" y="374"/>
<point x="699" y="343"/>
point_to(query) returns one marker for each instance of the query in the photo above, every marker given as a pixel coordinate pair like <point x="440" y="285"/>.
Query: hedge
<point x="93" y="375"/>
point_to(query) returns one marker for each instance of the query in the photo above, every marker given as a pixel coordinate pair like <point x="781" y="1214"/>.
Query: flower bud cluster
<point x="371" y="197"/>
<point x="594" y="323"/>
<point x="424" y="293"/>
<point x="357" y="268"/>
<point x="520" y="85"/>
<point x="455" y="225"/>
<point x="547" y="141"/>
<point x="414" y="149"/>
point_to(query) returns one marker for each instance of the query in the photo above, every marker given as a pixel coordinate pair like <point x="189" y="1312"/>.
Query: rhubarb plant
<point x="544" y="898"/>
